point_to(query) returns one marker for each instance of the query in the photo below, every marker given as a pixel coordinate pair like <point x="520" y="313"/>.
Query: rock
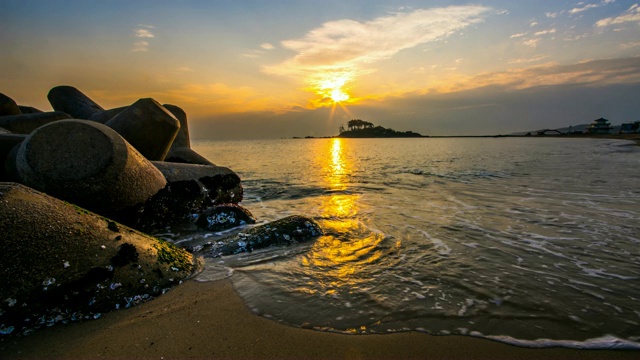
<point x="287" y="231"/>
<point x="8" y="106"/>
<point x="106" y="115"/>
<point x="73" y="102"/>
<point x="61" y="263"/>
<point x="182" y="139"/>
<point x="7" y="143"/>
<point x="177" y="203"/>
<point x="186" y="156"/>
<point x="4" y="131"/>
<point x="222" y="184"/>
<point x="148" y="126"/>
<point x="88" y="164"/>
<point x="223" y="217"/>
<point x="26" y="123"/>
<point x="29" y="109"/>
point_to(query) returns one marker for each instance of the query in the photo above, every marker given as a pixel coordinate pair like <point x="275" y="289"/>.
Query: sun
<point x="330" y="87"/>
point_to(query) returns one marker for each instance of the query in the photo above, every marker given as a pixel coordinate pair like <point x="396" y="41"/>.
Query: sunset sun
<point x="331" y="87"/>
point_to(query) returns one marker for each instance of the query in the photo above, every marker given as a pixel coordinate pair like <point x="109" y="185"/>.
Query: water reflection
<point x="338" y="260"/>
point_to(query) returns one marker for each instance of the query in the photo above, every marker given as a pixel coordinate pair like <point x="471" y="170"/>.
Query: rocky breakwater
<point x="80" y="189"/>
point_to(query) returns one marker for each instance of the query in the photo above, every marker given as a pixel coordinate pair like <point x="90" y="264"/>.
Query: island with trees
<point x="357" y="128"/>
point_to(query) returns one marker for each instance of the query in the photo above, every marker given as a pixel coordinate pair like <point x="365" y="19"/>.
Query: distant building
<point x="599" y="126"/>
<point x="630" y="128"/>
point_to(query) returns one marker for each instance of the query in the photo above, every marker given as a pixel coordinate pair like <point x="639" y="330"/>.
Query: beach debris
<point x="88" y="164"/>
<point x="148" y="127"/>
<point x="284" y="232"/>
<point x="97" y="273"/>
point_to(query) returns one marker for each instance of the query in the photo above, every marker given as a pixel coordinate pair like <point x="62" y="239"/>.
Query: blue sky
<point x="250" y="69"/>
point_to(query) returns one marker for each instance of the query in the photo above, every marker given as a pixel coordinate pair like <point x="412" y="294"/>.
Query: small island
<point x="357" y="128"/>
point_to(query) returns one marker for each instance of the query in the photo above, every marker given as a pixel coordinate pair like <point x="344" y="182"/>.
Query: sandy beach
<point x="209" y="320"/>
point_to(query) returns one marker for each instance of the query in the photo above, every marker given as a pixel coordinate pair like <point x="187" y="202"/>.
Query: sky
<point x="275" y="69"/>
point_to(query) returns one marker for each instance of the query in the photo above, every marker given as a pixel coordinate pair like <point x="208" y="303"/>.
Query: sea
<point x="532" y="241"/>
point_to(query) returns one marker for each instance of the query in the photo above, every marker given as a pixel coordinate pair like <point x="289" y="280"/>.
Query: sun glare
<point x="331" y="88"/>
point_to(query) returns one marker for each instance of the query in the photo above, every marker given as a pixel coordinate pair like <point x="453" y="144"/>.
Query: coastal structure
<point x="630" y="128"/>
<point x="599" y="126"/>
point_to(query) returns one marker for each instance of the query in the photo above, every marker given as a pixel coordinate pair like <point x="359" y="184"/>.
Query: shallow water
<point x="532" y="241"/>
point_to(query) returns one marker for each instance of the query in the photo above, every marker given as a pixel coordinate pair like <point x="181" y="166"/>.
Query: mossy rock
<point x="61" y="263"/>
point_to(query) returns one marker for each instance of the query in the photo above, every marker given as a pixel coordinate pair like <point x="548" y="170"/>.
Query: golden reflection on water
<point x="349" y="246"/>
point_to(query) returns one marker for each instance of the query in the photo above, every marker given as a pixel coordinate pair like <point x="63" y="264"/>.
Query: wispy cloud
<point x="142" y="33"/>
<point x="528" y="60"/>
<point x="351" y="47"/>
<point x="631" y="15"/>
<point x="629" y="45"/>
<point x="545" y="32"/>
<point x="532" y="42"/>
<point x="518" y="35"/>
<point x="267" y="46"/>
<point x="586" y="7"/>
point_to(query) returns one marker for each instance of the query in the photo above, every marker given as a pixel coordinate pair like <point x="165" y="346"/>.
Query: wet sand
<point x="209" y="320"/>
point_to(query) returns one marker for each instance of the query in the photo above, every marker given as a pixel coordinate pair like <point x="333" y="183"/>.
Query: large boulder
<point x="7" y="143"/>
<point x="29" y="109"/>
<point x="62" y="263"/>
<point x="26" y="123"/>
<point x="182" y="139"/>
<point x="106" y="115"/>
<point x="190" y="191"/>
<point x="148" y="126"/>
<point x="225" y="216"/>
<point x="186" y="155"/>
<point x="73" y="102"/>
<point x="221" y="183"/>
<point x="88" y="164"/>
<point x="8" y="106"/>
<point x="284" y="232"/>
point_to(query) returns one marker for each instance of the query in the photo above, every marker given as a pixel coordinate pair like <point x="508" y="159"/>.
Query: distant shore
<point x="632" y="137"/>
<point x="209" y="320"/>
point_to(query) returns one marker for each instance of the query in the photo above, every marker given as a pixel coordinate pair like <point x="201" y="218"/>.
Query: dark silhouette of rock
<point x="182" y="139"/>
<point x="177" y="203"/>
<point x="225" y="216"/>
<point x="88" y="164"/>
<point x="148" y="126"/>
<point x="222" y="184"/>
<point x="29" y="109"/>
<point x="186" y="156"/>
<point x="73" y="102"/>
<point x="8" y="106"/>
<point x="106" y="115"/>
<point x="61" y="263"/>
<point x="7" y="163"/>
<point x="26" y="123"/>
<point x="284" y="232"/>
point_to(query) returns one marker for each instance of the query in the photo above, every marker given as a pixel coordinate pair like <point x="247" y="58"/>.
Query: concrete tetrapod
<point x="88" y="164"/>
<point x="62" y="263"/>
<point x="148" y="126"/>
<point x="73" y="102"/>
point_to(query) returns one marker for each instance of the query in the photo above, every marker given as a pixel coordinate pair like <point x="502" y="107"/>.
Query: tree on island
<point x="361" y="128"/>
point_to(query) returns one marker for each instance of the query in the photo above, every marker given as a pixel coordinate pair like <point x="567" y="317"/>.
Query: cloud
<point x="518" y="35"/>
<point x="590" y="6"/>
<point x="545" y="32"/>
<point x="267" y="46"/>
<point x="631" y="15"/>
<point x="532" y="42"/>
<point x="629" y="45"/>
<point x="351" y="47"/>
<point x="528" y="60"/>
<point x="533" y="23"/>
<point x="142" y="33"/>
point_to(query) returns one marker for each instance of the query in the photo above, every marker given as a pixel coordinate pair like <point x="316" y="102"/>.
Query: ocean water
<point x="531" y="241"/>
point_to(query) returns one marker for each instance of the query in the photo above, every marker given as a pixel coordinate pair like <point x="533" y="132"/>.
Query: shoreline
<point x="210" y="320"/>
